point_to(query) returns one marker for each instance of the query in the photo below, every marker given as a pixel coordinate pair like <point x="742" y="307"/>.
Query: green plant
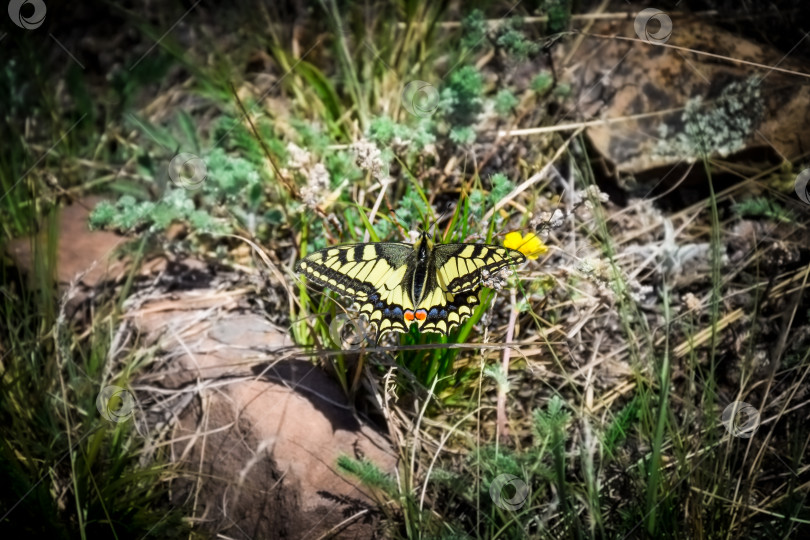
<point x="542" y="82"/>
<point x="473" y="30"/>
<point x="559" y="14"/>
<point x="461" y="100"/>
<point x="514" y="41"/>
<point x="501" y="187"/>
<point x="505" y="102"/>
<point x="763" y="207"/>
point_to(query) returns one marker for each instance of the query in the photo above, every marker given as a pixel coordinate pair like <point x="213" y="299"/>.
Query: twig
<point x="589" y="123"/>
<point x="502" y="421"/>
<point x="384" y="183"/>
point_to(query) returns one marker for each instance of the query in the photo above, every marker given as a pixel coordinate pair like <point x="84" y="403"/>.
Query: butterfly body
<point x="434" y="286"/>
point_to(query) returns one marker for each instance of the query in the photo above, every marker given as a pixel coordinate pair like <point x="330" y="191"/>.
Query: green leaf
<point x="189" y="130"/>
<point x="367" y="224"/>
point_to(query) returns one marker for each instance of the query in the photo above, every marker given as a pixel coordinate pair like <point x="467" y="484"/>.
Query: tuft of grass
<point x="70" y="472"/>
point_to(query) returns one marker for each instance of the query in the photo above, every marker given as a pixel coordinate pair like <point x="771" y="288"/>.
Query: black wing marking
<point x="460" y="267"/>
<point x="354" y="270"/>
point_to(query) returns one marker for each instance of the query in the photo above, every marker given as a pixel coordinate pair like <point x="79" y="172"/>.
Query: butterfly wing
<point x="459" y="271"/>
<point x="370" y="274"/>
<point x="355" y="270"/>
<point x="461" y="267"/>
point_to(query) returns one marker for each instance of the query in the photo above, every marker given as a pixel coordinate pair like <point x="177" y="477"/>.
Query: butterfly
<point x="396" y="285"/>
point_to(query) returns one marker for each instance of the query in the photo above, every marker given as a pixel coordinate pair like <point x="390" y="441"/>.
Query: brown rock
<point x="80" y="249"/>
<point x="263" y="435"/>
<point x="620" y="78"/>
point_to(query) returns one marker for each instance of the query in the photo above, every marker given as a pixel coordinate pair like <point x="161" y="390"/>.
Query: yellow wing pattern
<point x="395" y="284"/>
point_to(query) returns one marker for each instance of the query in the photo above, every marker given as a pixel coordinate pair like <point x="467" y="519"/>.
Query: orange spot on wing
<point x="408" y="315"/>
<point x="421" y="314"/>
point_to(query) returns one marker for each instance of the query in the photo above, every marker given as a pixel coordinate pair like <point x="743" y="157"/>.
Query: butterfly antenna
<point x="435" y="223"/>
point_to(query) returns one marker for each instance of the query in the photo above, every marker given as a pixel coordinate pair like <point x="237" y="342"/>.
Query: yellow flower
<point x="530" y="245"/>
